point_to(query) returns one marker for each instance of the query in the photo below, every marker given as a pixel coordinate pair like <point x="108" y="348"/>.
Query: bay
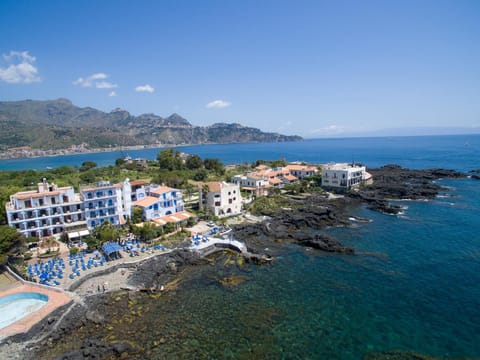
<point x="457" y="152"/>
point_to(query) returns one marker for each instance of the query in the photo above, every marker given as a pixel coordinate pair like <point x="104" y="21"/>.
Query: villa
<point x="302" y="171"/>
<point x="252" y="183"/>
<point x="344" y="176"/>
<point x="264" y="178"/>
<point x="157" y="201"/>
<point x="223" y="199"/>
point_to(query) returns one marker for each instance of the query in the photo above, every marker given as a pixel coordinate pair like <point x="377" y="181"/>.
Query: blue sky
<point x="313" y="68"/>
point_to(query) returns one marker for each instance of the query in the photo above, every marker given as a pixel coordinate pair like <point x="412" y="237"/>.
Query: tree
<point x="194" y="162"/>
<point x="10" y="242"/>
<point x="200" y="175"/>
<point x="170" y="159"/>
<point x="169" y="227"/>
<point x="145" y="232"/>
<point x="137" y="216"/>
<point x="87" y="165"/>
<point x="119" y="162"/>
<point x="188" y="190"/>
<point x="106" y="232"/>
<point x="92" y="242"/>
<point x="215" y="165"/>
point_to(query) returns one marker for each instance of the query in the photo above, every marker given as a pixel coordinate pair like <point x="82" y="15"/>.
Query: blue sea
<point x="453" y="152"/>
<point x="413" y="284"/>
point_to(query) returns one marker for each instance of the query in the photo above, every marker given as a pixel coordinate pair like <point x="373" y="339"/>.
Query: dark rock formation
<point x="157" y="271"/>
<point x="297" y="223"/>
<point x="325" y="243"/>
<point x="397" y="183"/>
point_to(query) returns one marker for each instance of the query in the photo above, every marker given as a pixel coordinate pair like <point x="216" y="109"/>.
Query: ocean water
<point x="454" y="152"/>
<point x="413" y="284"/>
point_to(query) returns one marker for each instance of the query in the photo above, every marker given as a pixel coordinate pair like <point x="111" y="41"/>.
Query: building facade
<point x="106" y="202"/>
<point x="47" y="211"/>
<point x="343" y="176"/>
<point x="157" y="201"/>
<point x="223" y="199"/>
<point x="51" y="210"/>
<point x="302" y="171"/>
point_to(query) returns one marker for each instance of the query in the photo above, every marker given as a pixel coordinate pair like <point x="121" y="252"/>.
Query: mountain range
<point x="59" y="124"/>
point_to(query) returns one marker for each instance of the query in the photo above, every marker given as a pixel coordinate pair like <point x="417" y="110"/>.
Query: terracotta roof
<point x="139" y="182"/>
<point x="301" y="167"/>
<point x="162" y="190"/>
<point x="290" y="177"/>
<point x="174" y="218"/>
<point x="146" y="201"/>
<point x="275" y="181"/>
<point x="91" y="188"/>
<point x="159" y="221"/>
<point x="214" y="186"/>
<point x="35" y="194"/>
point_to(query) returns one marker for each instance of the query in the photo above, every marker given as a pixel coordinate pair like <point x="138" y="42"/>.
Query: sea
<point x="413" y="285"/>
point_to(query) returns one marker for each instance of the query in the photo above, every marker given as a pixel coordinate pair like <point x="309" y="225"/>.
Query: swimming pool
<point x="16" y="306"/>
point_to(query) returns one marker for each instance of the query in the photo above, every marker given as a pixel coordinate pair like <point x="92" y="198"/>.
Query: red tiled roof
<point x="162" y="190"/>
<point x="146" y="201"/>
<point x="214" y="186"/>
<point x="139" y="182"/>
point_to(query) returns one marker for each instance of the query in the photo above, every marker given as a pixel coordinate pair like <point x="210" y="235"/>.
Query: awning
<point x="74" y="234"/>
<point x="111" y="247"/>
<point x="83" y="232"/>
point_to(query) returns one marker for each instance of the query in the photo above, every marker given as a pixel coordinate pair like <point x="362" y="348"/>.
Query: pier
<point x="207" y="245"/>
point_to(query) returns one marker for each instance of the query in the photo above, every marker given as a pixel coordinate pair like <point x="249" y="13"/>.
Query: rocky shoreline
<point x="298" y="223"/>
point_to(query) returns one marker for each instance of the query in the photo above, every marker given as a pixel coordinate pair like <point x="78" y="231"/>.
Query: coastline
<point x="116" y="281"/>
<point x="19" y="152"/>
<point x="38" y="153"/>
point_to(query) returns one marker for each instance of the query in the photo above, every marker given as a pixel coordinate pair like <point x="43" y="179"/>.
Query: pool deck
<point x="56" y="299"/>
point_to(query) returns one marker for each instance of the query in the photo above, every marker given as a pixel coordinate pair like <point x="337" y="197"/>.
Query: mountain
<point x="59" y="124"/>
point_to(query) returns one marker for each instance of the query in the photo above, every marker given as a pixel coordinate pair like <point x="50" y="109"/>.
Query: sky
<point x="311" y="68"/>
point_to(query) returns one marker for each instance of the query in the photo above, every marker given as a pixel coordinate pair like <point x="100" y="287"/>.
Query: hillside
<point x="59" y="124"/>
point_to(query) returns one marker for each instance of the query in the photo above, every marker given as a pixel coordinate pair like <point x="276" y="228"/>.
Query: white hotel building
<point x="51" y="210"/>
<point x="344" y="176"/>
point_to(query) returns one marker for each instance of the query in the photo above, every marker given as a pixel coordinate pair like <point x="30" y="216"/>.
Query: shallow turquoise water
<point x="413" y="286"/>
